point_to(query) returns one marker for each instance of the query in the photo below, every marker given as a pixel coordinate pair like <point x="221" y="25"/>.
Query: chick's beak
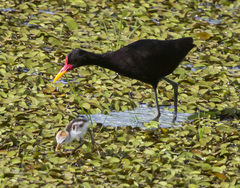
<point x="65" y="68"/>
<point x="58" y="146"/>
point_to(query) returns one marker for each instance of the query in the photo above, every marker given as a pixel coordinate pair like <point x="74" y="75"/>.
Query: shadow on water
<point x="137" y="117"/>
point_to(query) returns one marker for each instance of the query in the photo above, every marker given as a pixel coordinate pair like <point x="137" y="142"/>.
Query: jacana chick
<point x="74" y="130"/>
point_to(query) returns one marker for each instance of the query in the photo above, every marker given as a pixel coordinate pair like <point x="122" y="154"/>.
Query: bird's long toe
<point x="174" y="118"/>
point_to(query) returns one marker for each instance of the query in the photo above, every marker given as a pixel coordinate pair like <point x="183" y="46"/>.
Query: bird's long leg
<point x="92" y="139"/>
<point x="175" y="87"/>
<point x="157" y="106"/>
<point x="73" y="151"/>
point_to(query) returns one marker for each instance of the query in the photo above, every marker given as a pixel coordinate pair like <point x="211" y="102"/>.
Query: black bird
<point x="145" y="60"/>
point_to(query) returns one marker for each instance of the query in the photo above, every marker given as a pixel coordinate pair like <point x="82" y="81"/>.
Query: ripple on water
<point x="137" y="117"/>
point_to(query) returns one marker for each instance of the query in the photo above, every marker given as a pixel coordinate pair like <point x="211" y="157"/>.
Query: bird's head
<point x="61" y="137"/>
<point x="75" y="58"/>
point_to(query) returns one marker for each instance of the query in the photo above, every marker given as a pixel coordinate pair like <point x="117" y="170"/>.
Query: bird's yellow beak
<point x="65" y="68"/>
<point x="59" y="75"/>
<point x="58" y="146"/>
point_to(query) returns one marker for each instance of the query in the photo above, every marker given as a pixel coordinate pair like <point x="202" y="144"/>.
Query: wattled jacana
<point x="145" y="60"/>
<point x="74" y="130"/>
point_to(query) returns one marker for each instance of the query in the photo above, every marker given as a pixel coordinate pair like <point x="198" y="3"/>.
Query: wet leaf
<point x="221" y="176"/>
<point x="203" y="35"/>
<point x="48" y="90"/>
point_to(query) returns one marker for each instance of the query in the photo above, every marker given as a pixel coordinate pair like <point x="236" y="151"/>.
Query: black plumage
<point x="145" y="60"/>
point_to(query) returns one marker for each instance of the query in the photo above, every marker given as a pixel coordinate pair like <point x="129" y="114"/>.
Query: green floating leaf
<point x="113" y="160"/>
<point x="71" y="23"/>
<point x="206" y="166"/>
<point x="55" y="174"/>
<point x="15" y="161"/>
<point x="95" y="163"/>
<point x="57" y="160"/>
<point x="149" y="152"/>
<point x="86" y="105"/>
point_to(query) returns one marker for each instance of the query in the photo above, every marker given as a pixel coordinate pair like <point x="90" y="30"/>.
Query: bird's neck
<point x="103" y="60"/>
<point x="68" y="138"/>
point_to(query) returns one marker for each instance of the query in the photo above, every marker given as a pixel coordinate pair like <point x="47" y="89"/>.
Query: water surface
<point x="137" y="117"/>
